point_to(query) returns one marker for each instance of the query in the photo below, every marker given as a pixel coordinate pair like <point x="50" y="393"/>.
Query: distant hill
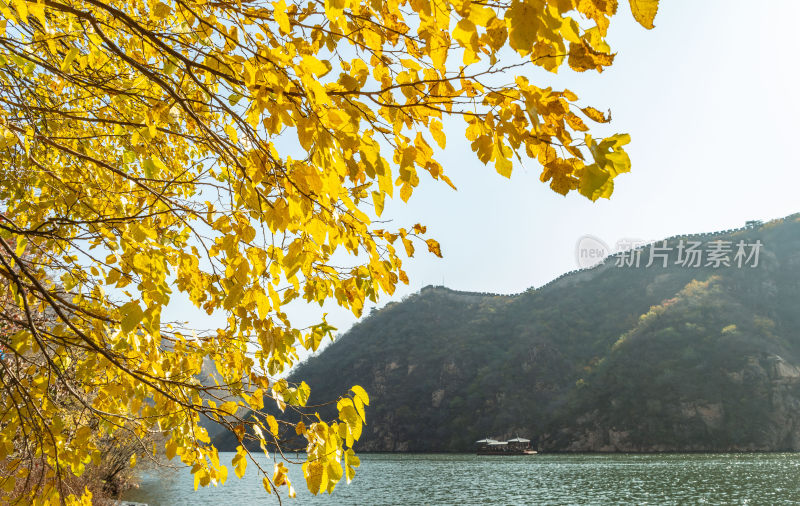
<point x="606" y="359"/>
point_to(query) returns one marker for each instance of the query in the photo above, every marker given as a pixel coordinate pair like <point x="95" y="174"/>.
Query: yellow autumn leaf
<point x="231" y="132"/>
<point x="576" y="123"/>
<point x="351" y="461"/>
<point x="644" y="11"/>
<point x="405" y="192"/>
<point x="438" y="134"/>
<point x="523" y="21"/>
<point x="583" y="57"/>
<point x="465" y="33"/>
<point x="358" y="390"/>
<point x="480" y="15"/>
<point x="273" y="425"/>
<point x="433" y="247"/>
<point x="316" y="66"/>
<point x="596" y="115"/>
<point x="239" y="462"/>
<point x="503" y="164"/>
<point x="378" y="201"/>
<point x="69" y="58"/>
<point x="409" y="246"/>
<point x="316" y="476"/>
<point x="281" y="17"/>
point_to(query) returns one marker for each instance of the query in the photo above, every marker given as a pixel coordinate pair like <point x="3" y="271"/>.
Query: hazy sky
<point x="709" y="99"/>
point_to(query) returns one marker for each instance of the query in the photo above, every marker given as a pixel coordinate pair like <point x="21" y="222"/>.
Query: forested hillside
<point x="614" y="358"/>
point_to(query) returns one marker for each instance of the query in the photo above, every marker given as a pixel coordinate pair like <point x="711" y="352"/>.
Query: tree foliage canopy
<point x="227" y="152"/>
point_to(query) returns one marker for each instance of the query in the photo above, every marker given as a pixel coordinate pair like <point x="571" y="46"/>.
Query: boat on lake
<point x="516" y="446"/>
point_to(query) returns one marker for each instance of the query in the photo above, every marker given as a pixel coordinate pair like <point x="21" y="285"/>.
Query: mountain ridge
<point x="599" y="359"/>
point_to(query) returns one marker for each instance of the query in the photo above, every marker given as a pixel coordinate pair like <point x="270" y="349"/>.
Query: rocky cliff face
<point x="769" y="378"/>
<point x="779" y="380"/>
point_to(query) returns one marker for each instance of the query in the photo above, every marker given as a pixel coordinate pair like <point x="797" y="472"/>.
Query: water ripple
<point x="394" y="479"/>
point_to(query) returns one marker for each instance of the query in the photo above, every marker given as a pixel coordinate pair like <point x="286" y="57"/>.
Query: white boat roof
<point x="519" y="440"/>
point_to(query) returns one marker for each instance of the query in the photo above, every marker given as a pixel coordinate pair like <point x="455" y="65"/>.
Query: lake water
<point x="766" y="478"/>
